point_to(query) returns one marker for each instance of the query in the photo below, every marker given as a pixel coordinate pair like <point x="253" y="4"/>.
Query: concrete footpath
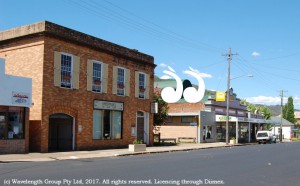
<point x="34" y="157"/>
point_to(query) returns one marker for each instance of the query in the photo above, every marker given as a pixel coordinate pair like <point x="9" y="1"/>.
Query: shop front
<point x="242" y="129"/>
<point x="15" y="101"/>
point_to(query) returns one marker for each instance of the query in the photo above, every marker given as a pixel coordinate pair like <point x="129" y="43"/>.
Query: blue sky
<point x="190" y="33"/>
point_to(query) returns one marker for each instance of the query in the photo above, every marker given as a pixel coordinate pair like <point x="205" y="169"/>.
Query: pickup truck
<point x="265" y="136"/>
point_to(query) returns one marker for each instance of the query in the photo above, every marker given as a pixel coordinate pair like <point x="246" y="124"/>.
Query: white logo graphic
<point x="190" y="94"/>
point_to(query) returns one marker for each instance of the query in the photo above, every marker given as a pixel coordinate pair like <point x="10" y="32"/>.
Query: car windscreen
<point x="262" y="135"/>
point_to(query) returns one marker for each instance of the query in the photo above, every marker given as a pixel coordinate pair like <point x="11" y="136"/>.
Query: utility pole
<point x="281" y="95"/>
<point x="229" y="54"/>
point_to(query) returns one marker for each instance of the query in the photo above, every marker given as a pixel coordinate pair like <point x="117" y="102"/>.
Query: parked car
<point x="265" y="136"/>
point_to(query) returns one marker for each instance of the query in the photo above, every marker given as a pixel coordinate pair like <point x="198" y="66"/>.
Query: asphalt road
<point x="269" y="164"/>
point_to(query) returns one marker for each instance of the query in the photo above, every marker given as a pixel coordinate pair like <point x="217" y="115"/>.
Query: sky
<point x="190" y="35"/>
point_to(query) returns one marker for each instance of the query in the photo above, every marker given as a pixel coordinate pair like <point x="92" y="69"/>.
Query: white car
<point x="265" y="136"/>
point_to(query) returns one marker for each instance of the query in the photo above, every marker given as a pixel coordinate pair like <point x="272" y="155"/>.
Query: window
<point x="121" y="81"/>
<point x="12" y="123"/>
<point x="97" y="77"/>
<point x="169" y="119"/>
<point x="66" y="71"/>
<point x="142" y="85"/>
<point x="232" y="112"/>
<point x="187" y="119"/>
<point x="107" y="124"/>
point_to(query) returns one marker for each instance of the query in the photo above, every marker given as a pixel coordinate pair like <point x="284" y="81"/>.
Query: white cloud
<point x="266" y="100"/>
<point x="255" y="54"/>
<point x="162" y="65"/>
<point x="296" y="100"/>
<point x="165" y="77"/>
<point x="203" y="75"/>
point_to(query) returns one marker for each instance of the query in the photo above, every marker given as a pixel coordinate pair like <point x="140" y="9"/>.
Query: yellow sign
<point x="220" y="96"/>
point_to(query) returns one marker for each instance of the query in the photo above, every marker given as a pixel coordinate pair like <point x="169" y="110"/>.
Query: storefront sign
<point x="241" y="119"/>
<point x="107" y="105"/>
<point x="220" y="96"/>
<point x="193" y="124"/>
<point x="223" y="118"/>
<point x="21" y="98"/>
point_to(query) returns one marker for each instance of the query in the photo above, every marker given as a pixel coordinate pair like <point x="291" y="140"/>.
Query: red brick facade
<point x="32" y="55"/>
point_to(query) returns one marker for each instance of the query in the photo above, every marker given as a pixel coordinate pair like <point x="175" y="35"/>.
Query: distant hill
<point x="276" y="109"/>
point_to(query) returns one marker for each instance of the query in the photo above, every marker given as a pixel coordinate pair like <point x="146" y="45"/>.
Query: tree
<point x="162" y="109"/>
<point x="289" y="111"/>
<point x="266" y="111"/>
<point x="261" y="109"/>
<point x="284" y="108"/>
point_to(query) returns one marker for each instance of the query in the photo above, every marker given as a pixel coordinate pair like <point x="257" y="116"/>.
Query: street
<point x="268" y="164"/>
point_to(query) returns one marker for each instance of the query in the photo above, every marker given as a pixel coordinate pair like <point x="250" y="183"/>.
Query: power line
<point x="278" y="68"/>
<point x="263" y="79"/>
<point x="279" y="57"/>
<point x="111" y="15"/>
<point x="276" y="75"/>
<point x="163" y="28"/>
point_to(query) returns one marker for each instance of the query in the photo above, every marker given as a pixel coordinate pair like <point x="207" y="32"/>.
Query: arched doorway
<point x="60" y="132"/>
<point x="142" y="126"/>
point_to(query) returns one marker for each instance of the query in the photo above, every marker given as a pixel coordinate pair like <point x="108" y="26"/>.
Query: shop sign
<point x="21" y="98"/>
<point x="223" y="118"/>
<point x="220" y="96"/>
<point x="193" y="124"/>
<point x="108" y="105"/>
<point x="240" y="119"/>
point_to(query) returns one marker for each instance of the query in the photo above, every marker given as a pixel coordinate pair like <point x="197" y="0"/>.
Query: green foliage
<point x="261" y="109"/>
<point x="284" y="108"/>
<point x="162" y="110"/>
<point x="137" y="142"/>
<point x="266" y="111"/>
<point x="295" y="139"/>
<point x="289" y="112"/>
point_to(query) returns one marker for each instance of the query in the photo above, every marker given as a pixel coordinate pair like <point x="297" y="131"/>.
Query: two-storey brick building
<point x="87" y="93"/>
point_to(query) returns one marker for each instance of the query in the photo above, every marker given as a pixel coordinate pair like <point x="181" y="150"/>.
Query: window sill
<point x="97" y="92"/>
<point x="121" y="95"/>
<point x="67" y="88"/>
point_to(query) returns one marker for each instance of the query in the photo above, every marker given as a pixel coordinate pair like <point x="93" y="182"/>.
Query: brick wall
<point x="78" y="103"/>
<point x="12" y="146"/>
<point x="33" y="56"/>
